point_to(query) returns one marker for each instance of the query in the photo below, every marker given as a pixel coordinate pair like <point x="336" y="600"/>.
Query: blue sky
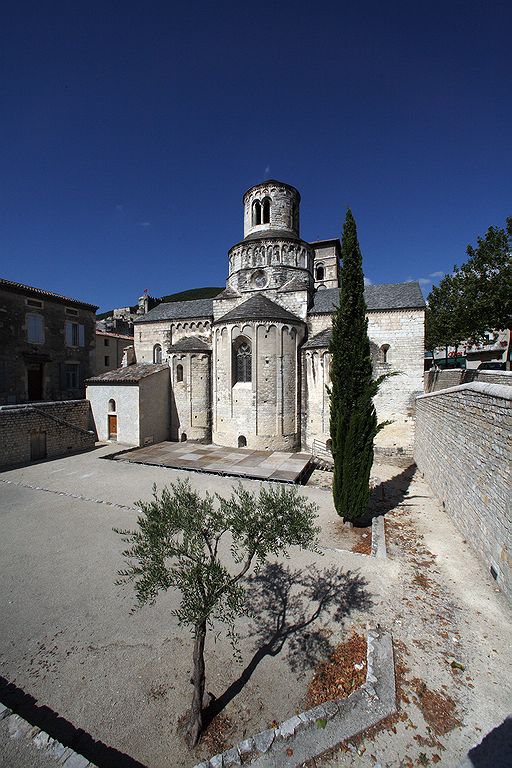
<point x="130" y="130"/>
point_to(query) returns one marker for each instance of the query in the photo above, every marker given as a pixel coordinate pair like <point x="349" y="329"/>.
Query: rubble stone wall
<point x="452" y="377"/>
<point x="44" y="430"/>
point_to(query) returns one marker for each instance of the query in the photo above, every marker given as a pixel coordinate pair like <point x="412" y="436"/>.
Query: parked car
<point x="492" y="366"/>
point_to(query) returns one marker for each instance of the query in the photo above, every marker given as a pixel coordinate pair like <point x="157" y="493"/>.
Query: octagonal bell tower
<point x="271" y="208"/>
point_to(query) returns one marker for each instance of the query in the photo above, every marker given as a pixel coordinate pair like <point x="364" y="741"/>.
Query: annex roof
<point x="178" y="310"/>
<point x="10" y="285"/>
<point x="258" y="307"/>
<point x="319" y="341"/>
<point x="113" y="335"/>
<point x="129" y="374"/>
<point x="383" y="296"/>
<point x="190" y="344"/>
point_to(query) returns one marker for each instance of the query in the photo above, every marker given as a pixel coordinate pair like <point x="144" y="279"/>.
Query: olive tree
<point x="177" y="545"/>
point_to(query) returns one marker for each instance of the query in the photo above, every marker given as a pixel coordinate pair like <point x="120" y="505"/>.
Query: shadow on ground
<point x="495" y="751"/>
<point x="389" y="494"/>
<point x="288" y="611"/>
<point x="25" y="705"/>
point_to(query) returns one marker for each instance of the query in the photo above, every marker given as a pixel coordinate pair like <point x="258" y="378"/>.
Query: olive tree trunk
<point x="195" y="723"/>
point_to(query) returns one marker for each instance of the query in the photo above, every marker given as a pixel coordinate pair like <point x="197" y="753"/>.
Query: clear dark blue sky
<point x="129" y="131"/>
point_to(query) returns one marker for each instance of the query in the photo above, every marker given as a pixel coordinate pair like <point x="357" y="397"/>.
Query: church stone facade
<point x="251" y="366"/>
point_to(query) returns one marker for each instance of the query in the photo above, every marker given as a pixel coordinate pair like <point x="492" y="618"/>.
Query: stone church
<point x="250" y="367"/>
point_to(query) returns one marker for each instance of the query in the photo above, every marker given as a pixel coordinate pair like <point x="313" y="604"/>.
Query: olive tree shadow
<point x="289" y="612"/>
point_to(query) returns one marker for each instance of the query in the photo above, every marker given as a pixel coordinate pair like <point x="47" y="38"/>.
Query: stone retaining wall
<point x="452" y="377"/>
<point x="44" y="430"/>
<point x="462" y="447"/>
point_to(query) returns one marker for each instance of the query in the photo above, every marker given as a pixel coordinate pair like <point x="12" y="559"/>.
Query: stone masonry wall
<point x="404" y="332"/>
<point x="190" y="398"/>
<point x="462" y="448"/>
<point x="452" y="377"/>
<point x="61" y="427"/>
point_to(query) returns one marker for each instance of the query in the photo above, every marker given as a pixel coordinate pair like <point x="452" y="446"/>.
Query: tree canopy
<point x="353" y="419"/>
<point x="477" y="297"/>
<point x="177" y="545"/>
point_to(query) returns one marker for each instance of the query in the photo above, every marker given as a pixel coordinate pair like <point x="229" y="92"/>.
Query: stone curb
<point x="313" y="732"/>
<point x="21" y="729"/>
<point x="379" y="538"/>
<point x="68" y="495"/>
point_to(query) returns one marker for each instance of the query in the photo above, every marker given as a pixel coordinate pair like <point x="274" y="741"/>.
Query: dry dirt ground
<point x="451" y="631"/>
<point x="67" y="639"/>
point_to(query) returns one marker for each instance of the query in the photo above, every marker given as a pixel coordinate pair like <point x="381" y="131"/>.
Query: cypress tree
<point x="353" y="420"/>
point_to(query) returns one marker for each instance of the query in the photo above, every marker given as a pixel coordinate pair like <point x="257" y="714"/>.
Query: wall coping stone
<point x="503" y="391"/>
<point x="37" y="405"/>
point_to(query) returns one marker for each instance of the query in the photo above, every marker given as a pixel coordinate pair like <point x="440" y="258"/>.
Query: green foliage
<point x="353" y="420"/>
<point x="193" y="293"/>
<point x="189" y="295"/>
<point x="477" y="297"/>
<point x="176" y="545"/>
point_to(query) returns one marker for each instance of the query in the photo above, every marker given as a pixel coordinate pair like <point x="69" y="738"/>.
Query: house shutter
<point x="81" y="335"/>
<point x="69" y="334"/>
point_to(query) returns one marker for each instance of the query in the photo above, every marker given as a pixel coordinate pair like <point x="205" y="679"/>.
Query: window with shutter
<point x="35" y="329"/>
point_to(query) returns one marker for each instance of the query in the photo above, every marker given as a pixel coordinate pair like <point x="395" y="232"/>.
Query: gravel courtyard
<point x="67" y="638"/>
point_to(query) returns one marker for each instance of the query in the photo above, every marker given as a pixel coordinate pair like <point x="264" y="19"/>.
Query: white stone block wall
<point x="191" y="397"/>
<point x="462" y="446"/>
<point x="404" y="331"/>
<point x="315" y="401"/>
<point x="126" y="398"/>
<point x="264" y="411"/>
<point x="165" y="333"/>
<point x="154" y="408"/>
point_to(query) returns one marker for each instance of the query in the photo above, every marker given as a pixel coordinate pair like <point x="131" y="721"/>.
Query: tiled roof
<point x="178" y="310"/>
<point x="258" y="307"/>
<point x="321" y="340"/>
<point x="383" y="296"/>
<point x="100" y="332"/>
<point x="190" y="344"/>
<point x="263" y="234"/>
<point x="227" y="293"/>
<point x="128" y="374"/>
<point x="22" y="288"/>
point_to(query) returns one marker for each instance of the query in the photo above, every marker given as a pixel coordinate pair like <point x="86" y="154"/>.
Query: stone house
<point x="132" y="404"/>
<point x="47" y="344"/>
<point x="250" y="367"/>
<point x="110" y="348"/>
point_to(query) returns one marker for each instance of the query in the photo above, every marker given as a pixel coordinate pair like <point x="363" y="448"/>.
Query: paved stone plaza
<point x="239" y="462"/>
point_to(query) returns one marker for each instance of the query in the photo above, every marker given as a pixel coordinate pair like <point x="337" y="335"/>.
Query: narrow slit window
<point x="266" y="210"/>
<point x="179" y="372"/>
<point x="256" y="213"/>
<point x="157" y="353"/>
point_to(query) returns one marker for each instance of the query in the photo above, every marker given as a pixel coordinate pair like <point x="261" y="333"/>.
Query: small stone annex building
<point x="250" y="367"/>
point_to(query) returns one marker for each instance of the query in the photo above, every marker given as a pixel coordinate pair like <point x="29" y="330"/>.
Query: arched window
<point x="179" y="372"/>
<point x="266" y="210"/>
<point x="157" y="353"/>
<point x="384" y="353"/>
<point x="112" y="406"/>
<point x="256" y="213"/>
<point x="243" y="362"/>
<point x="320" y="272"/>
<point x="242" y="441"/>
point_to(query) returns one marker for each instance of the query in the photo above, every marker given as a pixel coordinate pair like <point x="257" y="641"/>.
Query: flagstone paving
<point x="239" y="462"/>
